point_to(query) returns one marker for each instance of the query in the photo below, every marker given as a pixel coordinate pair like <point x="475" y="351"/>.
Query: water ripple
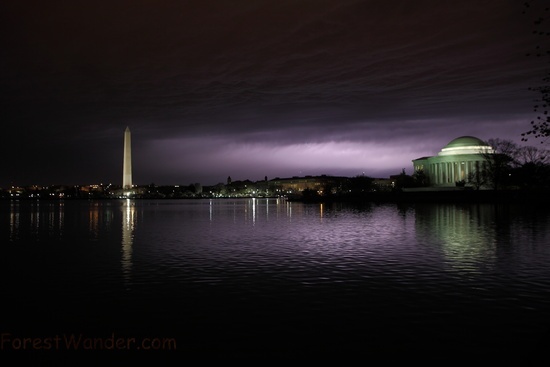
<point x="375" y="266"/>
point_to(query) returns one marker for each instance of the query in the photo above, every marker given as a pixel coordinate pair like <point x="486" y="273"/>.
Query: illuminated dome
<point x="457" y="164"/>
<point x="466" y="145"/>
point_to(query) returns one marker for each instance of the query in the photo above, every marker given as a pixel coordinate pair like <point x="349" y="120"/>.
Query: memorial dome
<point x="466" y="145"/>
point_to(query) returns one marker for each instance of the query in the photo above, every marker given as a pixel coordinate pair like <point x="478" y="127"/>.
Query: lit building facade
<point x="296" y="185"/>
<point x="456" y="162"/>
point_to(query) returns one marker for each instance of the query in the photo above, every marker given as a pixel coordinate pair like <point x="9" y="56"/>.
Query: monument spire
<point x="127" y="164"/>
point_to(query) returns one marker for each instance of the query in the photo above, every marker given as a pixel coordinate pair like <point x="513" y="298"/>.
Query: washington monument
<point x="127" y="164"/>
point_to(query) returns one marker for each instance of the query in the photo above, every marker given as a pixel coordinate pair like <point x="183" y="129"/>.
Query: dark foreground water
<point x="190" y="280"/>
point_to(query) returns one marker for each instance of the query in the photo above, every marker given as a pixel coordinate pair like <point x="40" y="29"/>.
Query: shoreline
<point x="429" y="196"/>
<point x="461" y="196"/>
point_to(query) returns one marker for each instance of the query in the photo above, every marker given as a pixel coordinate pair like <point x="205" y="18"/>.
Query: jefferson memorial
<point x="455" y="162"/>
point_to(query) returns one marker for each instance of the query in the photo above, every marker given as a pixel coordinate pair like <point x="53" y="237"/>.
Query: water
<point x="258" y="278"/>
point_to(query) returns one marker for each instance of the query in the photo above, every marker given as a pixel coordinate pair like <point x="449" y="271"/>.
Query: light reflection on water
<point x="128" y="226"/>
<point x="34" y="218"/>
<point x="217" y="233"/>
<point x="408" y="265"/>
<point x="466" y="235"/>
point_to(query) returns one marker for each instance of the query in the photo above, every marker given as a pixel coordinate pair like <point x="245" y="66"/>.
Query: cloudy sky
<point x="254" y="88"/>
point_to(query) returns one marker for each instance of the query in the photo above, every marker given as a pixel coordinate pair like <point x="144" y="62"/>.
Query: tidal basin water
<point x="262" y="277"/>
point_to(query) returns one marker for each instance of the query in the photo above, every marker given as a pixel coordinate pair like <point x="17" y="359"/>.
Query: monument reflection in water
<point x="270" y="276"/>
<point x="128" y="224"/>
<point x="466" y="234"/>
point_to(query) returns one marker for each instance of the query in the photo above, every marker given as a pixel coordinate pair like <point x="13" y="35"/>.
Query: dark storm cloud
<point x="277" y="73"/>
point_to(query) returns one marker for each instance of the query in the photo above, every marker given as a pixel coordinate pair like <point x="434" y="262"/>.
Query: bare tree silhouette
<point x="540" y="126"/>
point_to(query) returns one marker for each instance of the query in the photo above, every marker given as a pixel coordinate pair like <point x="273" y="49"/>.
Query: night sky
<point x="256" y="88"/>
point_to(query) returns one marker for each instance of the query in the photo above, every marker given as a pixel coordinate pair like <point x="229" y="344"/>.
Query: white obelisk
<point x="127" y="164"/>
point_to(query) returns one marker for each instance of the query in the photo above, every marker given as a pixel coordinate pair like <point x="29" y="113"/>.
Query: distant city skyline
<point x="254" y="89"/>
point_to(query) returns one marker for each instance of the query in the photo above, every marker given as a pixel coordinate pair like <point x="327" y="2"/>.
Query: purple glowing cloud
<point x="276" y="88"/>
